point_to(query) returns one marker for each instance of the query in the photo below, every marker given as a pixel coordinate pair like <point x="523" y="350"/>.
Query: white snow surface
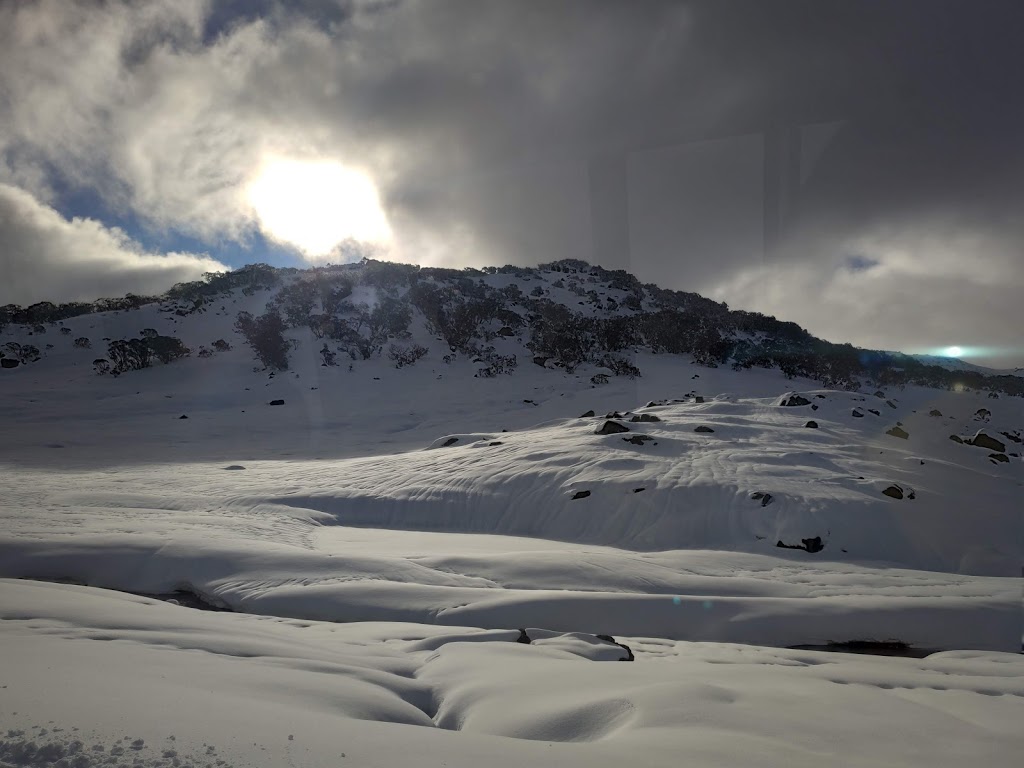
<point x="383" y="538"/>
<point x="110" y="679"/>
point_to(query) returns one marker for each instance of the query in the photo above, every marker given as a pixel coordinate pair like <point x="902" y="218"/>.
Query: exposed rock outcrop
<point x="638" y="439"/>
<point x="611" y="428"/>
<point x="645" y="417"/>
<point x="982" y="440"/>
<point x="893" y="492"/>
<point x="794" y="400"/>
<point x="812" y="545"/>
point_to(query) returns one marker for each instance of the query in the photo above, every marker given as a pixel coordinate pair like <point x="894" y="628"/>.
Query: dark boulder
<point x="811" y="425"/>
<point x="898" y="432"/>
<point x="277" y="402"/>
<point x="611" y="428"/>
<point x="234" y="467"/>
<point x="450" y="441"/>
<point x="999" y="457"/>
<point x="794" y="400"/>
<point x="872" y="410"/>
<point x="704" y="429"/>
<point x="645" y="417"/>
<point x="183" y="416"/>
<point x="893" y="492"/>
<point x="956" y="439"/>
<point x="580" y="495"/>
<point x="813" y="544"/>
<point x="934" y="412"/>
<point x="981" y="440"/>
<point x="638" y="439"/>
<point x="880" y="393"/>
<point x="639" y="490"/>
<point x="765" y="498"/>
<point x="523" y="637"/>
<point x="857" y="414"/>
<point x="587" y="415"/>
<point x="9" y="362"/>
<point x="698" y="399"/>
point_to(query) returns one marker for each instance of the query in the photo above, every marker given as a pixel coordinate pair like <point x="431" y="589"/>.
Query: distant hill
<point x="956" y="364"/>
<point x="558" y="315"/>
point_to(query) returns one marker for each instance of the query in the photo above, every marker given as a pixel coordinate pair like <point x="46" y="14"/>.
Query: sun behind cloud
<point x="314" y="205"/>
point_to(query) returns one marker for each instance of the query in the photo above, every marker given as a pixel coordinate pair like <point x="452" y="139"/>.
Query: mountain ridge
<point x="559" y="315"/>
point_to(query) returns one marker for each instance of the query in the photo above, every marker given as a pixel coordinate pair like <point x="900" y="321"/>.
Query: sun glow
<point x="315" y="205"/>
<point x="953" y="351"/>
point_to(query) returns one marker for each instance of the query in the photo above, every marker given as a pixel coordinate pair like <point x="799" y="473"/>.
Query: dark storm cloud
<point x="924" y="172"/>
<point x="925" y="91"/>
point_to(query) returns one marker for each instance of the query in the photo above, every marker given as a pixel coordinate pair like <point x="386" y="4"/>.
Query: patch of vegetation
<point x="265" y="335"/>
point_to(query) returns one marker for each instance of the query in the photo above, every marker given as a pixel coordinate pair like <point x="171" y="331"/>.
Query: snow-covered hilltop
<point x="562" y="315"/>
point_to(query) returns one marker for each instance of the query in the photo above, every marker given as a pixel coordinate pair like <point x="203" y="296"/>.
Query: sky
<point x="855" y="167"/>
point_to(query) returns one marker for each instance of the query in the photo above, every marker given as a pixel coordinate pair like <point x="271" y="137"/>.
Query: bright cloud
<point x="44" y="256"/>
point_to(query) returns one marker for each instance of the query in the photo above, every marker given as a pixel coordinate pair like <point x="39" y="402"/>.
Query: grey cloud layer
<point x="477" y="119"/>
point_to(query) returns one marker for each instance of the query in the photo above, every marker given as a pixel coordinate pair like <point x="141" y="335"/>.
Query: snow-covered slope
<point x="728" y="504"/>
<point x="435" y="446"/>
